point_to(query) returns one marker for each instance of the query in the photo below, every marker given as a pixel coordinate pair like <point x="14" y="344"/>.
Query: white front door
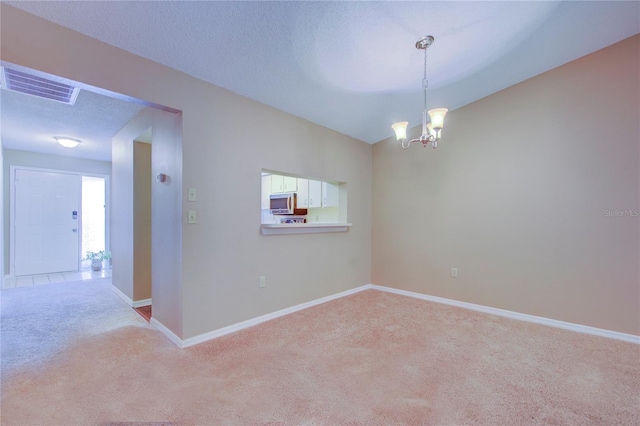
<point x="46" y="222"/>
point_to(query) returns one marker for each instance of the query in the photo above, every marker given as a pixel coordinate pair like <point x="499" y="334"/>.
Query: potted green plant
<point x="97" y="258"/>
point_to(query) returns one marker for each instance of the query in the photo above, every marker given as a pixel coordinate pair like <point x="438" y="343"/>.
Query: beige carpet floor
<point x="370" y="358"/>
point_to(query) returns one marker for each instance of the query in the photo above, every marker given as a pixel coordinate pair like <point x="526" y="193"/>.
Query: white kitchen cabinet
<point x="281" y="184"/>
<point x="329" y="194"/>
<point x="290" y="184"/>
<point x="315" y="193"/>
<point x="303" y="193"/>
<point x="266" y="192"/>
<point x="277" y="184"/>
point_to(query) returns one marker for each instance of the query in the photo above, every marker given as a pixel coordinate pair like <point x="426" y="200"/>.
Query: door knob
<point x="75" y="229"/>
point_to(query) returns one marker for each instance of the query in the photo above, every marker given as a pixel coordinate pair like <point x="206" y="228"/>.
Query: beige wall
<point x="42" y="161"/>
<point x="142" y="220"/>
<point x="225" y="253"/>
<point x="131" y="201"/>
<point x="122" y="207"/>
<point x="226" y="142"/>
<point x="3" y="233"/>
<point x="130" y="235"/>
<point x="516" y="197"/>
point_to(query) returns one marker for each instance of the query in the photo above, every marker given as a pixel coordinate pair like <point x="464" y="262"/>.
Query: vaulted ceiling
<point x="352" y="66"/>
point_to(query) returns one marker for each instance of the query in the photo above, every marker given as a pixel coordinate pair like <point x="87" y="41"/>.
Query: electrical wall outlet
<point x="454" y="272"/>
<point x="263" y="281"/>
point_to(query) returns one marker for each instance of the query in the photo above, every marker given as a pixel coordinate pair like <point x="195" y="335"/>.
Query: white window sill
<point x="303" y="228"/>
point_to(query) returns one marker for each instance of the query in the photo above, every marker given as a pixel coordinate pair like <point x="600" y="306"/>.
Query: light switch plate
<point x="191" y="216"/>
<point x="193" y="196"/>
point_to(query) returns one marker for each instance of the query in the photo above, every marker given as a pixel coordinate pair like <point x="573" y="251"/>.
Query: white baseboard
<point x="139" y="303"/>
<point x="254" y="321"/>
<point x="471" y="306"/>
<point x="122" y="295"/>
<point x="165" y="330"/>
<point x="515" y="315"/>
<point x="133" y="304"/>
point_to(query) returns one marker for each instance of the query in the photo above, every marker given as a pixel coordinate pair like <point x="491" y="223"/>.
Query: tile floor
<point x="44" y="279"/>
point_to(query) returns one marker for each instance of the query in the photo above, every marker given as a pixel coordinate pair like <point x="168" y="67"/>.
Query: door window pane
<point x="93" y="215"/>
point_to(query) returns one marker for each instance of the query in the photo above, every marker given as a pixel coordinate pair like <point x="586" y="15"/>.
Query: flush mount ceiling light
<point x="430" y="131"/>
<point x="67" y="142"/>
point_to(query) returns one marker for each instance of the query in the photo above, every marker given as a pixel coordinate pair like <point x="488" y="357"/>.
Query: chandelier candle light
<point x="430" y="131"/>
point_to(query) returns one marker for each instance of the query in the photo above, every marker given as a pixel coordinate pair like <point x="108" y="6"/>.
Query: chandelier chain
<point x="425" y="82"/>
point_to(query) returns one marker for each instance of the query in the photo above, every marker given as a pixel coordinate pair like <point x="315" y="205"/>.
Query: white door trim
<point x="12" y="206"/>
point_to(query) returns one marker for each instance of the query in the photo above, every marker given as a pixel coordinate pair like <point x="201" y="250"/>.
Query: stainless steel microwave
<point x="286" y="203"/>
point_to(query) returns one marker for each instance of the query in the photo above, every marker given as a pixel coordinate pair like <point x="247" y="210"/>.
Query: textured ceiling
<point x="352" y="66"/>
<point x="29" y="123"/>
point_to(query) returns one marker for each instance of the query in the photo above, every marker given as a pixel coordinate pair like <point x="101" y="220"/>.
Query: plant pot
<point x="96" y="265"/>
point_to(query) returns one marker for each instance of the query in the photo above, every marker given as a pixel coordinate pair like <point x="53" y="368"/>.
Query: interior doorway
<point x="166" y="160"/>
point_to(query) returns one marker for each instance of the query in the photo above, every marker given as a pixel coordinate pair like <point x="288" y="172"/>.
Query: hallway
<point x="44" y="279"/>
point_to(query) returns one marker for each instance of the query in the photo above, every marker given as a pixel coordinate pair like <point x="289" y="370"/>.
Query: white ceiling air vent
<point x="19" y="81"/>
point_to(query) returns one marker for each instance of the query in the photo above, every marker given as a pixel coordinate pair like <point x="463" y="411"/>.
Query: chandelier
<point x="430" y="131"/>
